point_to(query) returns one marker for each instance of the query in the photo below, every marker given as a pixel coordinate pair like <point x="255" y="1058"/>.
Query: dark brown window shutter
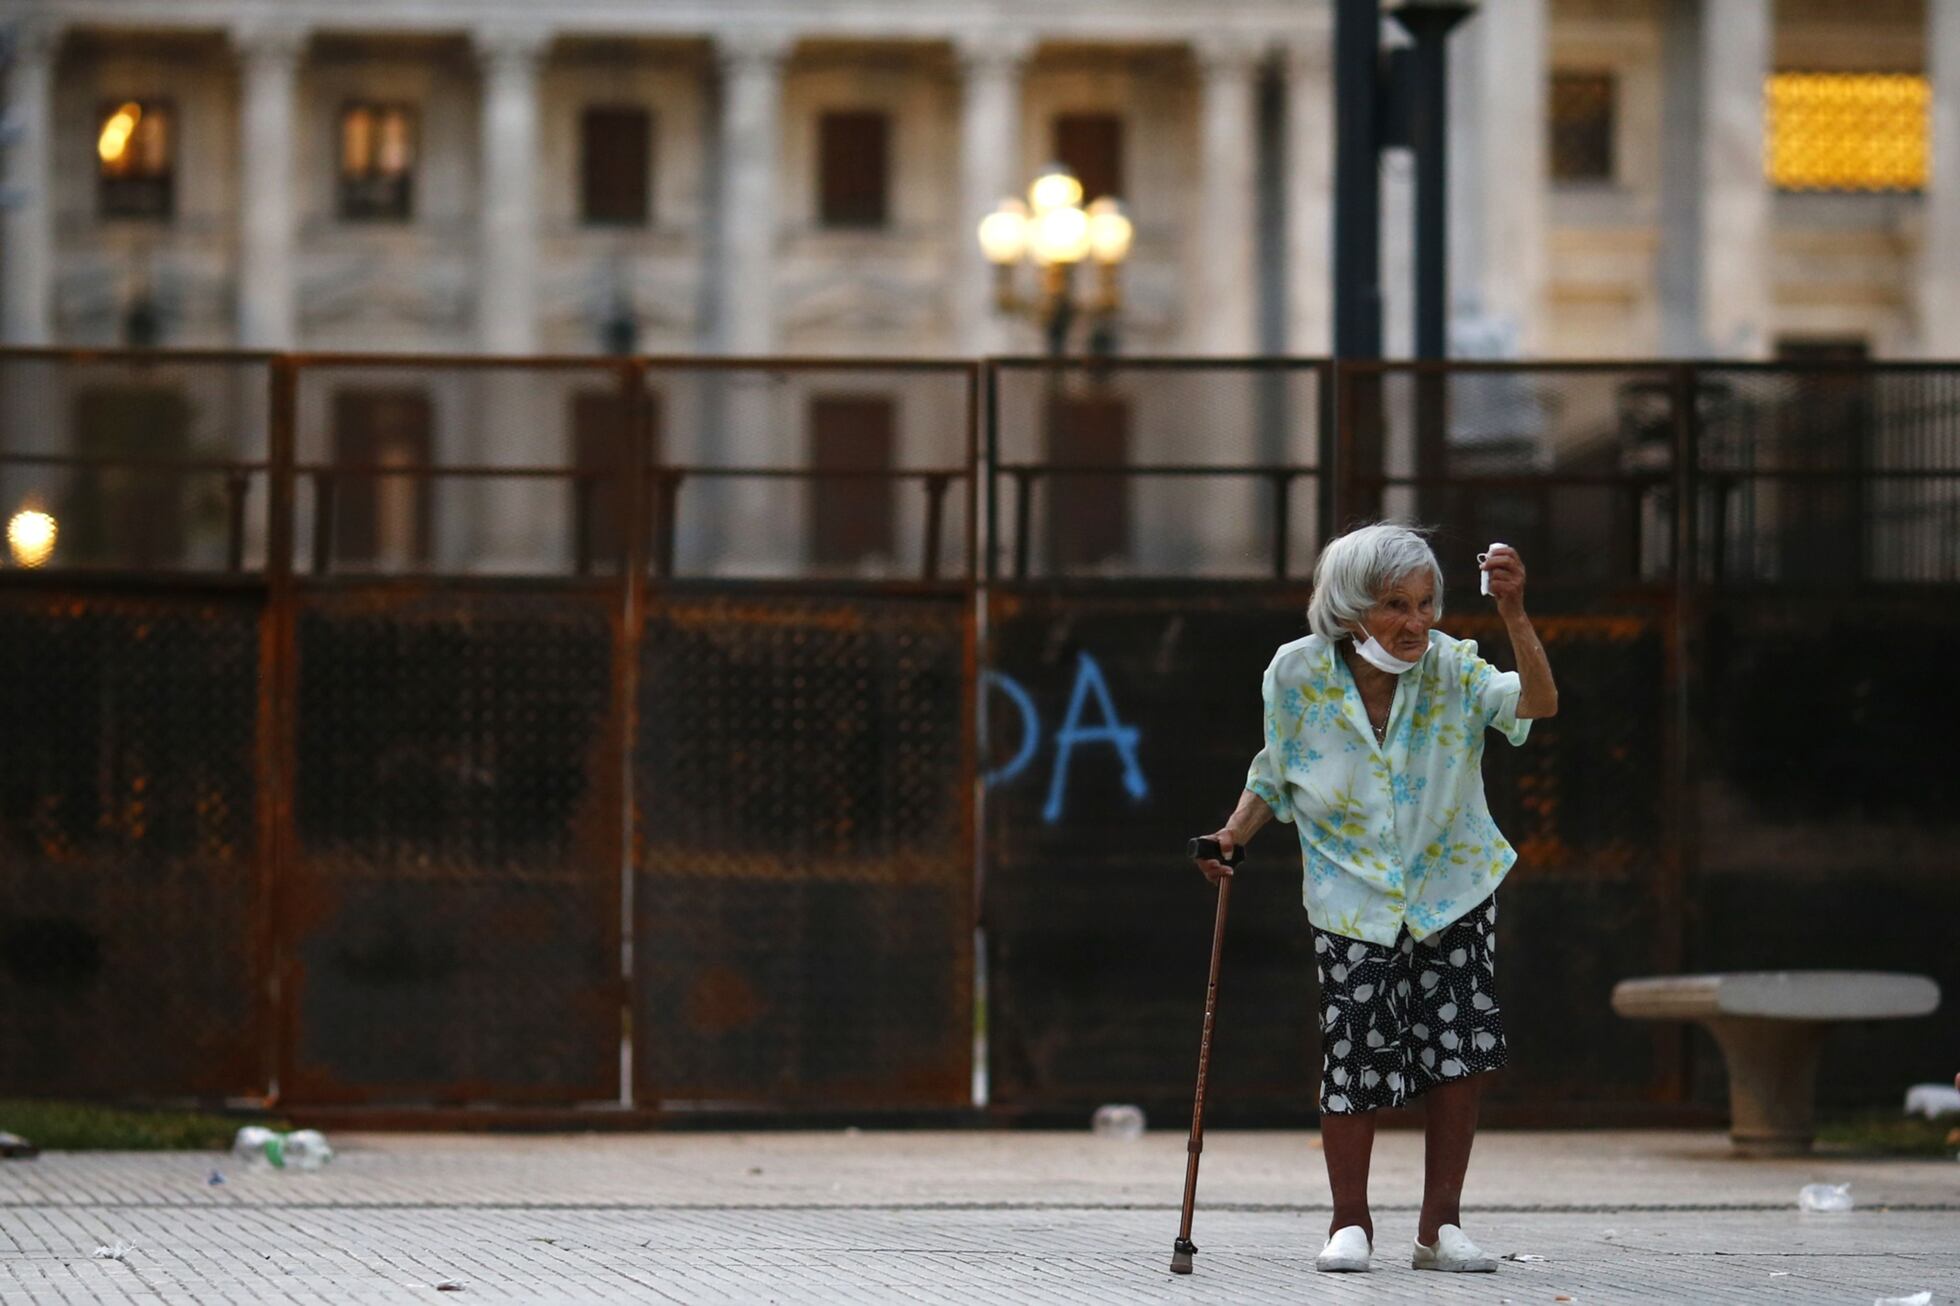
<point x="1091" y="146"/>
<point x="851" y="518"/>
<point x="128" y="516"/>
<point x="1088" y="516"/>
<point x="1582" y="109"/>
<point x="853" y="169"/>
<point x="616" y="165"/>
<point x="598" y="448"/>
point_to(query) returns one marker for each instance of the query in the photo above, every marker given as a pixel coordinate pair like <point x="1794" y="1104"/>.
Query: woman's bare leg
<point x="1447" y="1135"/>
<point x="1348" y="1142"/>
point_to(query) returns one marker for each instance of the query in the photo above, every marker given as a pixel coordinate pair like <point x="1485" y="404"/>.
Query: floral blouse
<point x="1398" y="833"/>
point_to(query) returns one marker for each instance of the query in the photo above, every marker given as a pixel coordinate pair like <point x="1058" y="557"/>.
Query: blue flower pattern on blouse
<point x="1397" y="833"/>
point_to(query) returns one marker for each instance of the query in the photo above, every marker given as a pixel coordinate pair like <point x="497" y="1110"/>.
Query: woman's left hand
<point x="1506" y="571"/>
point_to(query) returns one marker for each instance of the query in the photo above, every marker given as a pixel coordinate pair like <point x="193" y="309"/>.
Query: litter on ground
<point x="1824" y="1197"/>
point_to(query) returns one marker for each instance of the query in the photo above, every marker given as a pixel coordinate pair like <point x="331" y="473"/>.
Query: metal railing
<point x="725" y="697"/>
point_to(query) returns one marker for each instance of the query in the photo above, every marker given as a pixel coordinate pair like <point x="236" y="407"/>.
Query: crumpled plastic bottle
<point x="306" y="1149"/>
<point x="1119" y="1121"/>
<point x="303" y="1149"/>
<point x="1824" y="1197"/>
<point x="249" y="1145"/>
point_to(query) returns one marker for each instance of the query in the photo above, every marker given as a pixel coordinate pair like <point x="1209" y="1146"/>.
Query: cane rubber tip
<point x="1180" y="1262"/>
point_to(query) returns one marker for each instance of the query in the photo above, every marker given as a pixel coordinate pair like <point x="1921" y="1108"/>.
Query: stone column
<point x="754" y="525"/>
<point x="507" y="294"/>
<point x="1499" y="177"/>
<point x="1309" y="71"/>
<point x="1939" y="250"/>
<point x="27" y="223"/>
<point x="1735" y="209"/>
<point x="991" y="67"/>
<point x="269" y="59"/>
<point x="751" y="136"/>
<point x="1224" y="304"/>
<point x="520" y="524"/>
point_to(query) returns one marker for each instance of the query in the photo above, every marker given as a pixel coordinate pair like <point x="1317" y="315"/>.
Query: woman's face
<point x="1403" y="614"/>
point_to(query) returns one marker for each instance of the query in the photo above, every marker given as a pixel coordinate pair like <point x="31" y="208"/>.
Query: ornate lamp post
<point x="1053" y="231"/>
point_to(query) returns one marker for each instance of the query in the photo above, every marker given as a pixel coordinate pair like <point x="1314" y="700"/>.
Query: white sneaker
<point x="1453" y="1253"/>
<point x="1346" y="1252"/>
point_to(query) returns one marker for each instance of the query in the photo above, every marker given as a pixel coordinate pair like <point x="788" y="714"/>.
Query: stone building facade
<point x="1219" y="117"/>
<point x="690" y="177"/>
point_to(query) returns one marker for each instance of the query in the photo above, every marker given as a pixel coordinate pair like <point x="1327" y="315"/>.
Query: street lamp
<point x="1420" y="81"/>
<point x="1052" y="230"/>
<point x="31" y="535"/>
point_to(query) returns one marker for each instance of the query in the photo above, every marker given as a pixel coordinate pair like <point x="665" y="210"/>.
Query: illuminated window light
<point x="1847" y="131"/>
<point x="112" y="145"/>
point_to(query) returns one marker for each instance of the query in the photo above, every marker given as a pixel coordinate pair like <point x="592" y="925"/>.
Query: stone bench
<point x="1771" y="1025"/>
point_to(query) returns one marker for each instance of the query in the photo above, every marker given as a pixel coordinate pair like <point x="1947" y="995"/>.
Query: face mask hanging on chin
<point x="1381" y="659"/>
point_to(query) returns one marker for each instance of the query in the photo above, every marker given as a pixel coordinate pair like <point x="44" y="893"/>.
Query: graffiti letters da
<point x="1091" y="719"/>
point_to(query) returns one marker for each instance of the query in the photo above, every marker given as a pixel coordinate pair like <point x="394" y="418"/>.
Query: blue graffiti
<point x="1109" y="730"/>
<point x="1030" y="727"/>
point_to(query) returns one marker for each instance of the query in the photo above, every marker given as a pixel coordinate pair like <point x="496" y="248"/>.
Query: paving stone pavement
<point x="955" y="1217"/>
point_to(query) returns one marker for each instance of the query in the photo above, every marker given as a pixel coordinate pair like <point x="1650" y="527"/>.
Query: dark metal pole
<point x="1423" y="90"/>
<point x="1427" y="99"/>
<point x="1428" y="123"/>
<point x="1357" y="181"/>
<point x="1357" y="264"/>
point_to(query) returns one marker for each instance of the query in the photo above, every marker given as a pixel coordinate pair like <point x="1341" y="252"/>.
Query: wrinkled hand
<point x="1215" y="871"/>
<point x="1506" y="570"/>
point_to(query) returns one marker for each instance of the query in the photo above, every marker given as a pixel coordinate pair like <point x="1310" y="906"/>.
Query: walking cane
<point x="1183" y="1249"/>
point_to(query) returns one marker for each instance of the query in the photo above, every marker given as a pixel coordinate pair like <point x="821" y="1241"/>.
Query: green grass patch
<point x="83" y="1127"/>
<point x="1890" y="1134"/>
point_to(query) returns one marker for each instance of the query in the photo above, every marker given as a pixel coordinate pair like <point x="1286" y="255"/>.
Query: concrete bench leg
<point x="1772" y="1083"/>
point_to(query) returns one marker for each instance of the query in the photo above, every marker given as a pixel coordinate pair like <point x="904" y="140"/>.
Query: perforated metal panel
<point x="129" y="897"/>
<point x="1097" y="926"/>
<point x="452" y="915"/>
<point x="803" y="912"/>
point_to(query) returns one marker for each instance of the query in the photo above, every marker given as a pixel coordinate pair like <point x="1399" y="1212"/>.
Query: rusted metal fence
<point x="509" y="710"/>
<point x="416" y="732"/>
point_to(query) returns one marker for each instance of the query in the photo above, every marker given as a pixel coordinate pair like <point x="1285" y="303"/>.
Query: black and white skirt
<point x="1395" y="1020"/>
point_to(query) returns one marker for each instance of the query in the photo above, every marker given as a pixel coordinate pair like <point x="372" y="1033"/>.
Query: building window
<point x="854" y="169"/>
<point x="381" y="520"/>
<point x="1090" y="145"/>
<point x="616" y="166"/>
<point x="128" y="515"/>
<point x="851" y="517"/>
<point x="1847" y="131"/>
<point x="135" y="150"/>
<point x="377" y="163"/>
<point x="598" y="451"/>
<point x="1088" y="515"/>
<point x="1582" y="107"/>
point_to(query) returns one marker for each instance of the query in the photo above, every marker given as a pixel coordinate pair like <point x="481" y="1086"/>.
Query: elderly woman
<point x="1374" y="747"/>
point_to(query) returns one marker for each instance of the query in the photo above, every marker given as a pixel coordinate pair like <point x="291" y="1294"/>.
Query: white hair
<point x="1356" y="567"/>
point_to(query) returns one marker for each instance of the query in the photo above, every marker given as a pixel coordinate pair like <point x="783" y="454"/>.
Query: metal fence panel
<point x="1827" y="824"/>
<point x="153" y="463"/>
<point x="803" y="903"/>
<point x="1586" y="802"/>
<point x="1128" y="468"/>
<point x="452" y="906"/>
<point x="1570" y="465"/>
<point x="1823" y="475"/>
<point x="1098" y="929"/>
<point x="130" y="898"/>
<point x="408" y="798"/>
<point x="1118" y="727"/>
